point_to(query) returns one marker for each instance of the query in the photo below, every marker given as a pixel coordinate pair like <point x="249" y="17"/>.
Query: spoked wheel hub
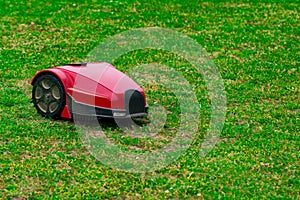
<point x="48" y="95"/>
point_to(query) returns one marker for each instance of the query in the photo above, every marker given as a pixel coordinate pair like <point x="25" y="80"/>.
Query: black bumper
<point x="132" y="110"/>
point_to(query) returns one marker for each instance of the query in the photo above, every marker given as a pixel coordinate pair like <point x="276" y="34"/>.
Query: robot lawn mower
<point x="97" y="89"/>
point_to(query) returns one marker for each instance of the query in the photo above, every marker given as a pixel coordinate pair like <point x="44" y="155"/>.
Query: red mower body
<point x="87" y="89"/>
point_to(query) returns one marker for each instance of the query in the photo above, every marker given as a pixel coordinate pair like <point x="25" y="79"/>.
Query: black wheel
<point x="48" y="95"/>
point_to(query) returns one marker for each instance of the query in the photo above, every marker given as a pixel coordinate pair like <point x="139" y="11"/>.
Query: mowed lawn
<point x="256" y="48"/>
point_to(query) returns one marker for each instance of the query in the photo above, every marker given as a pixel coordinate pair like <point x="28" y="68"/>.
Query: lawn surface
<point x="256" y="48"/>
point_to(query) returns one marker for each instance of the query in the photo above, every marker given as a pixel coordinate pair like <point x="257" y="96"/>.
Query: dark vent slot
<point x="77" y="64"/>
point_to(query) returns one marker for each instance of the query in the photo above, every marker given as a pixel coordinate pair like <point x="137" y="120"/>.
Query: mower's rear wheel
<point x="48" y="95"/>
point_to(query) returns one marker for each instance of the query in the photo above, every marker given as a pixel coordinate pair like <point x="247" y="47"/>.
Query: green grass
<point x="256" y="48"/>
